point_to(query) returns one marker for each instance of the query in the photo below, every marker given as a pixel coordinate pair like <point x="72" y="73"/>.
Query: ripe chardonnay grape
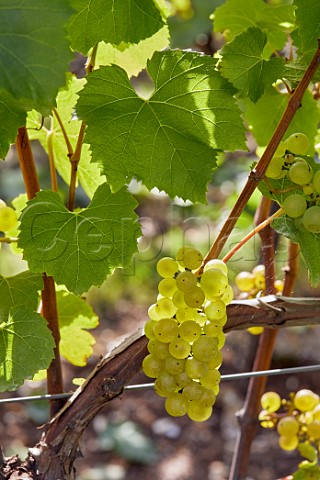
<point x="297" y="143"/>
<point x="294" y="205"/>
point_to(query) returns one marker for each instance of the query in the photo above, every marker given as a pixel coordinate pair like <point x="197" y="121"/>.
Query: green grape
<point x="300" y="172"/>
<point x="179" y="348"/>
<point x="288" y="426"/>
<point x="281" y="149"/>
<point x="316" y="412"/>
<point x="213" y="282"/>
<point x="180" y="255"/>
<point x="152" y="366"/>
<point x="265" y="420"/>
<point x="182" y="379"/>
<point x="211" y="378"/>
<point x="166" y="330"/>
<point x="205" y="348"/>
<point x="255" y="330"/>
<point x="245" y="281"/>
<point x="316" y="181"/>
<point x="195" y="368"/>
<point x="198" y="413"/>
<point x="185" y="314"/>
<point x="195" y="297"/>
<point x="167" y="267"/>
<point x="215" y="309"/>
<point x="167" y="287"/>
<point x="174" y="366"/>
<point x="313" y="430"/>
<point x="189" y="331"/>
<point x="159" y="349"/>
<point x="215" y="362"/>
<point x="311" y="219"/>
<point x="294" y="205"/>
<point x="149" y="329"/>
<point x="176" y="405"/>
<point x="305" y="400"/>
<point x="308" y="189"/>
<point x="215" y="263"/>
<point x="178" y="299"/>
<point x="228" y="295"/>
<point x="212" y="329"/>
<point x="207" y="398"/>
<point x="186" y="281"/>
<point x="275" y="168"/>
<point x="8" y="218"/>
<point x="165" y="384"/>
<point x="200" y="318"/>
<point x="270" y="401"/>
<point x="152" y="312"/>
<point x="165" y="307"/>
<point x="288" y="443"/>
<point x="193" y="391"/>
<point x="297" y="143"/>
<point x="192" y="259"/>
<point x="278" y="285"/>
<point x="221" y="340"/>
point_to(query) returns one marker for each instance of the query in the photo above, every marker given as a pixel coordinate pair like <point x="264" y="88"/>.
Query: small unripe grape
<point x="166" y="330"/>
<point x="8" y="218"/>
<point x="294" y="205"/>
<point x="167" y="267"/>
<point x="245" y="281"/>
<point x="275" y="168"/>
<point x="288" y="426"/>
<point x="300" y="172"/>
<point x="288" y="443"/>
<point x="176" y="405"/>
<point x="271" y="401"/>
<point x="311" y="219"/>
<point x="186" y="281"/>
<point x="297" y="143"/>
<point x="305" y="400"/>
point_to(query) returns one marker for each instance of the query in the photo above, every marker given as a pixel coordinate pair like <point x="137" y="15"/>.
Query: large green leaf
<point x="11" y="118"/>
<point x="34" y="53"/>
<point x="264" y="116"/>
<point x="112" y="21"/>
<point x="243" y="65"/>
<point x="20" y="290"/>
<point x="236" y="16"/>
<point x="79" y="248"/>
<point x="170" y="140"/>
<point x="309" y="244"/>
<point x="88" y="173"/>
<point x="308" y="21"/>
<point x="75" y="317"/>
<point x="26" y="346"/>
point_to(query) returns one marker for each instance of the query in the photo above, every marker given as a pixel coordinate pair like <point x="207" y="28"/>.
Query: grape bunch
<point x="298" y="424"/>
<point x="185" y="332"/>
<point x="8" y="217"/>
<point x="304" y="204"/>
<point x="250" y="284"/>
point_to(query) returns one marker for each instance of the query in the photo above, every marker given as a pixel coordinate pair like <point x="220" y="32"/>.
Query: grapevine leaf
<point x="11" y="118"/>
<point x="19" y="291"/>
<point x="26" y="346"/>
<point x="79" y="248"/>
<point x="244" y="66"/>
<point x="170" y="140"/>
<point x="113" y="21"/>
<point x="271" y="106"/>
<point x="34" y="53"/>
<point x="88" y="173"/>
<point x="75" y="317"/>
<point x="308" y="21"/>
<point x="309" y="473"/>
<point x="236" y="16"/>
<point x="134" y="58"/>
<point x="309" y="245"/>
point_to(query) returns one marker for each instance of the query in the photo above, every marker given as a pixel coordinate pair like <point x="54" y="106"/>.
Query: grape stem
<point x="252" y="233"/>
<point x="8" y="240"/>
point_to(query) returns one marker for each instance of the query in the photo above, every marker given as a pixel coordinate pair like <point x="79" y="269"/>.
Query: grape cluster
<point x="8" y="217"/>
<point x="298" y="424"/>
<point x="304" y="206"/>
<point x="250" y="284"/>
<point x="185" y="332"/>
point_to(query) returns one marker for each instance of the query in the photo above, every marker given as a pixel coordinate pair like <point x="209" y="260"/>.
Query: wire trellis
<point x="146" y="386"/>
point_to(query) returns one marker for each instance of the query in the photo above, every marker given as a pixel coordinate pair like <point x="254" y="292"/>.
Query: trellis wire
<point x="146" y="386"/>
